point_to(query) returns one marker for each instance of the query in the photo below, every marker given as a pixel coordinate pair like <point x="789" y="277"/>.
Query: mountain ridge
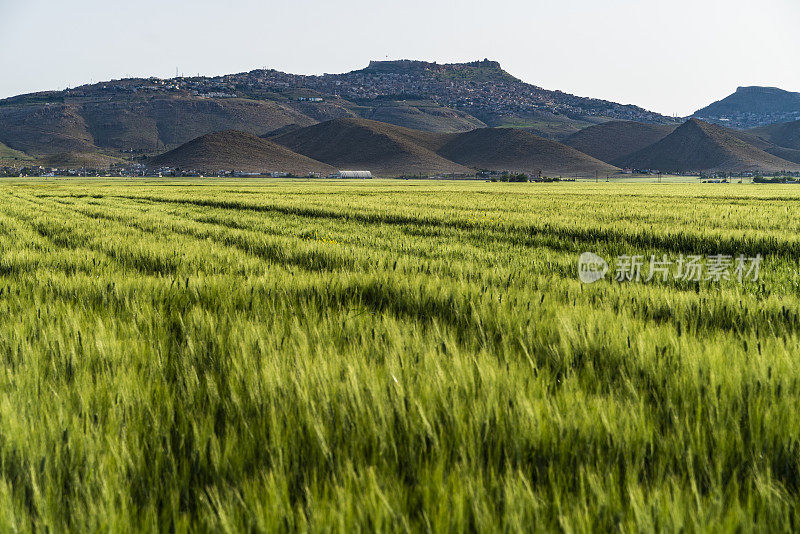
<point x="145" y="116"/>
<point x="394" y="150"/>
<point x="700" y="146"/>
<point x="518" y="151"/>
<point x="752" y="107"/>
<point x="378" y="147"/>
<point x="614" y="140"/>
<point x="785" y="134"/>
<point x="240" y="151"/>
<point x="385" y="150"/>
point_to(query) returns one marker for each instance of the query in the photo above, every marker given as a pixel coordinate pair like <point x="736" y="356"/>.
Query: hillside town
<point x="480" y="88"/>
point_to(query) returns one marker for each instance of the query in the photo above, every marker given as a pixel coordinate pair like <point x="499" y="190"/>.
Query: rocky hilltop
<point x="752" y="107"/>
<point x="146" y="116"/>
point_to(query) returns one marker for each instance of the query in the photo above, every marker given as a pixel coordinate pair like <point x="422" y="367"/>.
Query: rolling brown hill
<point x="784" y="134"/>
<point x="700" y="146"/>
<point x="240" y="151"/>
<point x="421" y="115"/>
<point x="789" y="154"/>
<point x="155" y="124"/>
<point x="75" y="160"/>
<point x="86" y="120"/>
<point x="612" y="141"/>
<point x="49" y="129"/>
<point x="282" y="130"/>
<point x="145" y="116"/>
<point x="384" y="149"/>
<point x="510" y="149"/>
<point x="390" y="150"/>
<point x="146" y="125"/>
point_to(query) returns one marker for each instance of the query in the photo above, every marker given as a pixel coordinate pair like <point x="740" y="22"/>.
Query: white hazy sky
<point x="670" y="56"/>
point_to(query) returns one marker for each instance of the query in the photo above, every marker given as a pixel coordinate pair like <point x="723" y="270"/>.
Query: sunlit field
<point x="386" y="355"/>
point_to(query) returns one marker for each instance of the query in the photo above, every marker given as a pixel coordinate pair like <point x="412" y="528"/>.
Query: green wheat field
<point x="271" y="356"/>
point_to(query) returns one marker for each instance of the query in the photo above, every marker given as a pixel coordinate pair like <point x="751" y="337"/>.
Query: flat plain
<point x="261" y="355"/>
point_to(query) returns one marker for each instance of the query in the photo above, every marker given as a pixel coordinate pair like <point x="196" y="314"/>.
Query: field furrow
<point x="279" y="355"/>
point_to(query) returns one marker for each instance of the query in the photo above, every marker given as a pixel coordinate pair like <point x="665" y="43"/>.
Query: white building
<point x="352" y="174"/>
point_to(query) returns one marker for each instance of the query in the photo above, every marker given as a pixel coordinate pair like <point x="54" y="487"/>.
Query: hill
<point x="482" y="89"/>
<point x="131" y="124"/>
<point x="384" y="149"/>
<point x="423" y="115"/>
<point x="763" y="142"/>
<point x="282" y="130"/>
<point x="145" y="116"/>
<point x="614" y="140"/>
<point x="546" y="124"/>
<point x="392" y="150"/>
<point x="44" y="127"/>
<point x="515" y="150"/>
<point x="700" y="146"/>
<point x="785" y="134"/>
<point x="74" y="160"/>
<point x="751" y="107"/>
<point x="9" y="156"/>
<point x="241" y="151"/>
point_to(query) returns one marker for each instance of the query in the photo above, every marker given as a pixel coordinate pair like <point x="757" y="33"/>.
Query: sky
<point x="672" y="57"/>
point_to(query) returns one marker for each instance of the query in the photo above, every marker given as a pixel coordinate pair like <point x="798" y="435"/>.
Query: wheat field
<point x="271" y="356"/>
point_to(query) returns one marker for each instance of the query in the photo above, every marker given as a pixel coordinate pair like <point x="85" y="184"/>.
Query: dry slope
<point x="516" y="150"/>
<point x="390" y="150"/>
<point x="700" y="146"/>
<point x="612" y="141"/>
<point x="384" y="149"/>
<point x="784" y="134"/>
<point x="241" y="151"/>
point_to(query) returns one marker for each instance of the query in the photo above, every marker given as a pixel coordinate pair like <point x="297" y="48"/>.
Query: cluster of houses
<point x="135" y="170"/>
<point x="497" y="94"/>
<point x="201" y="86"/>
<point x="719" y="175"/>
<point x="132" y="170"/>
<point x="480" y="87"/>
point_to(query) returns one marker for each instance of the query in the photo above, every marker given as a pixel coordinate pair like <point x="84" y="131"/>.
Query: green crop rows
<point x="421" y="356"/>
